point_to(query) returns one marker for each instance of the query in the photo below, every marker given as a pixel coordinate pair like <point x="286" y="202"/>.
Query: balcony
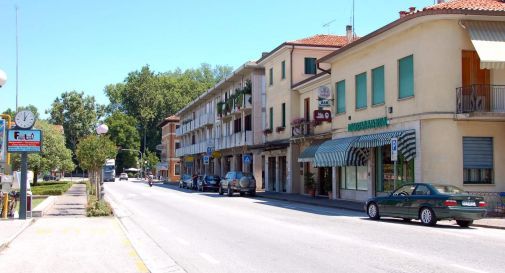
<point x="480" y="99"/>
<point x="302" y="128"/>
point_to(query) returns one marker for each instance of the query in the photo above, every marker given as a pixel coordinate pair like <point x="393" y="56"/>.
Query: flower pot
<point x="329" y="194"/>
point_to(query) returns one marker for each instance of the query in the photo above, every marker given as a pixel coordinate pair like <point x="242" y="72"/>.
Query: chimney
<point x="412" y="9"/>
<point x="264" y="54"/>
<point x="403" y="13"/>
<point x="349" y="34"/>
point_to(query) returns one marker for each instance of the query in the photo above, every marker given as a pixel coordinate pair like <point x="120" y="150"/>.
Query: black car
<point x="186" y="181"/>
<point x="428" y="203"/>
<point x="49" y="177"/>
<point x="208" y="182"/>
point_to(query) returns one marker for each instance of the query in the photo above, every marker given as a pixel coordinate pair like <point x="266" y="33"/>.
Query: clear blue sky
<point x="87" y="44"/>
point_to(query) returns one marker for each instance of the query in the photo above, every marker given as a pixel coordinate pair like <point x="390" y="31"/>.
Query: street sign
<point x="394" y="149"/>
<point x="206" y="160"/>
<point x="210" y="150"/>
<point x="324" y="92"/>
<point x="323" y="103"/>
<point x="247" y="159"/>
<point x="322" y="115"/>
<point x="19" y="141"/>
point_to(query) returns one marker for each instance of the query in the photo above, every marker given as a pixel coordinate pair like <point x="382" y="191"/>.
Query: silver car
<point x="238" y="182"/>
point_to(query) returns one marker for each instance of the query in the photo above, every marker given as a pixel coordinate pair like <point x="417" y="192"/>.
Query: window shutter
<point x="271" y="76"/>
<point x="406" y="77"/>
<point x="271" y="118"/>
<point x="378" y="85"/>
<point x="310" y="65"/>
<point x="283" y="115"/>
<point x="477" y="152"/>
<point x="361" y="91"/>
<point x="340" y="96"/>
<point x="283" y="70"/>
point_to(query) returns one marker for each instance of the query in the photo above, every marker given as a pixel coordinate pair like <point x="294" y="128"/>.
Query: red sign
<point x="322" y="115"/>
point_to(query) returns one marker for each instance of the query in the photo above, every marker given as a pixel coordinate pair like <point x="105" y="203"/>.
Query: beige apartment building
<point x="286" y="66"/>
<point x="221" y="128"/>
<point x="435" y="80"/>
<point x="170" y="167"/>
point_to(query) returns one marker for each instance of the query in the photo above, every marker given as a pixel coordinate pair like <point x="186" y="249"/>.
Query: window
<point x="378" y="85"/>
<point x="404" y="190"/>
<point x="422" y="190"/>
<point x="247" y="123"/>
<point x="310" y="66"/>
<point x="477" y="160"/>
<point x="361" y="91"/>
<point x="177" y="170"/>
<point x="340" y="89"/>
<point x="237" y="126"/>
<point x="271" y="76"/>
<point x="271" y="118"/>
<point x="177" y="145"/>
<point x="354" y="178"/>
<point x="283" y="70"/>
<point x="283" y="115"/>
<point x="406" y="77"/>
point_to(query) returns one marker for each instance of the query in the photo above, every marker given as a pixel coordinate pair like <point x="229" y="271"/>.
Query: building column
<point x="334" y="184"/>
<point x="233" y="163"/>
<point x="217" y="167"/>
<point x="222" y="165"/>
<point x="371" y="172"/>
<point x="293" y="184"/>
<point x="257" y="169"/>
<point x="277" y="175"/>
<point x="267" y="174"/>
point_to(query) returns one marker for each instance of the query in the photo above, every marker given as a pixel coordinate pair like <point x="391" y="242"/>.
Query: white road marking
<point x="468" y="268"/>
<point x="209" y="258"/>
<point x="182" y="241"/>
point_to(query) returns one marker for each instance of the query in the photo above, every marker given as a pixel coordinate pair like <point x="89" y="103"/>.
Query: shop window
<point x="177" y="170"/>
<point x="271" y="118"/>
<point x="384" y="170"/>
<point x="354" y="178"/>
<point x="477" y="160"/>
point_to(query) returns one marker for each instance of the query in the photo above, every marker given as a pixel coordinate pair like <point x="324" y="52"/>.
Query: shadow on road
<point x="445" y="224"/>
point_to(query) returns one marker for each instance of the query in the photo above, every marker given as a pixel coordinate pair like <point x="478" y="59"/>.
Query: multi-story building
<point x="286" y="66"/>
<point x="222" y="128"/>
<point x="435" y="80"/>
<point x="170" y="167"/>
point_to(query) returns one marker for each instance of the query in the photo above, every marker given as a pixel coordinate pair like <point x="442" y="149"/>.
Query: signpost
<point x="206" y="160"/>
<point x="210" y="150"/>
<point x="247" y="159"/>
<point x="394" y="157"/>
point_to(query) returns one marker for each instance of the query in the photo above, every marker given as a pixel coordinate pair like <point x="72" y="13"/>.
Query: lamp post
<point x="100" y="130"/>
<point x="3" y="78"/>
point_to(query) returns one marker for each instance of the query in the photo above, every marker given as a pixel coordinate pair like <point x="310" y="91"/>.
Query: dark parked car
<point x="49" y="177"/>
<point x="208" y="182"/>
<point x="238" y="182"/>
<point x="186" y="181"/>
<point x="428" y="203"/>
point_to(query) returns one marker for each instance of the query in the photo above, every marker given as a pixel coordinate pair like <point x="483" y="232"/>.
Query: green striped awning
<point x="406" y="141"/>
<point x="309" y="153"/>
<point x="334" y="152"/>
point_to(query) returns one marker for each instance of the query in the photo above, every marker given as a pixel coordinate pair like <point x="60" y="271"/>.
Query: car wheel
<point x="242" y="193"/>
<point x="373" y="211"/>
<point x="230" y="192"/>
<point x="220" y="191"/>
<point x="252" y="193"/>
<point x="464" y="223"/>
<point x="427" y="216"/>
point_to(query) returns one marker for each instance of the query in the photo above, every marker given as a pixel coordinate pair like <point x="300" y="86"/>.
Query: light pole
<point x="101" y="129"/>
<point x="3" y="78"/>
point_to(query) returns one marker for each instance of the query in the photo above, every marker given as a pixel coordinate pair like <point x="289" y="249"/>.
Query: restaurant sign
<point x="367" y="124"/>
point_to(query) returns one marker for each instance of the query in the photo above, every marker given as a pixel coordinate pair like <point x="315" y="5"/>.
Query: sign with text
<point x="2" y="140"/>
<point x="324" y="92"/>
<point x="323" y="103"/>
<point x="394" y="149"/>
<point x="206" y="160"/>
<point x="322" y="115"/>
<point x="367" y="124"/>
<point x="19" y="141"/>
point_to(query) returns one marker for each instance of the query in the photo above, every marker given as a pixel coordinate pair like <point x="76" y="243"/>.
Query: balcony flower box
<point x="297" y="121"/>
<point x="267" y="131"/>
<point x="280" y="129"/>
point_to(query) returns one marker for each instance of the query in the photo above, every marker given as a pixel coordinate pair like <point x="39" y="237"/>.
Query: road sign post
<point x="394" y="158"/>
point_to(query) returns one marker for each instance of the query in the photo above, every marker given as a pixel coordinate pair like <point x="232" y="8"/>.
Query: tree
<point x="123" y="132"/>
<point x="30" y="107"/>
<point x="54" y="155"/>
<point x="77" y="114"/>
<point x="91" y="152"/>
<point x="152" y="160"/>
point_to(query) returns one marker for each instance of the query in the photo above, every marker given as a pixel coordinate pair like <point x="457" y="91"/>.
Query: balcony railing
<point x="480" y="98"/>
<point x="304" y="128"/>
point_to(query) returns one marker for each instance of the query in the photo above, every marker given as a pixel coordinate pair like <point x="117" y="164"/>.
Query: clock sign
<point x="25" y="119"/>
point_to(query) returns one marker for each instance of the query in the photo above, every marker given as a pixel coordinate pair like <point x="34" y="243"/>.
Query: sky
<point x="84" y="45"/>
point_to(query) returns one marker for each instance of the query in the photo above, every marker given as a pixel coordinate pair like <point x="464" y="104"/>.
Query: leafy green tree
<point x="123" y="132"/>
<point x="77" y="114"/>
<point x="30" y="107"/>
<point x="92" y="151"/>
<point x="152" y="160"/>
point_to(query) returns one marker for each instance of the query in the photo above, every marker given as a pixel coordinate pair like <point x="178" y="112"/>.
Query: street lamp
<point x="3" y="78"/>
<point x="101" y="129"/>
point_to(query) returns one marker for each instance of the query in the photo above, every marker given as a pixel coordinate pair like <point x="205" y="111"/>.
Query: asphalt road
<point x="205" y="232"/>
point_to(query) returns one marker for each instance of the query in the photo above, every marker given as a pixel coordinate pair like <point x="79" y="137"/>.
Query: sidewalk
<point x="67" y="241"/>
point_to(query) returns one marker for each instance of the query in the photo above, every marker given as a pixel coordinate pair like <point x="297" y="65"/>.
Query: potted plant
<point x="220" y="108"/>
<point x="310" y="184"/>
<point x="280" y="129"/>
<point x="267" y="131"/>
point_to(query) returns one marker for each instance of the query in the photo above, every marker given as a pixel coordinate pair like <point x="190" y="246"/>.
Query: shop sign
<point x="323" y="103"/>
<point x="189" y="159"/>
<point x="324" y="92"/>
<point x="322" y="115"/>
<point x="206" y="160"/>
<point x="367" y="124"/>
<point x="394" y="149"/>
<point x="19" y="141"/>
<point x="216" y="154"/>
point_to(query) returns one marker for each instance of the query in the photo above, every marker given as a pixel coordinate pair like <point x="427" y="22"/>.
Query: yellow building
<point x="435" y="80"/>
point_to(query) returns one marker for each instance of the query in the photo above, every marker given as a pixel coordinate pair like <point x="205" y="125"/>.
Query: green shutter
<point x="406" y="77"/>
<point x="271" y="76"/>
<point x="283" y="69"/>
<point x="361" y="91"/>
<point x="310" y="65"/>
<point x="378" y="85"/>
<point x="283" y="115"/>
<point x="271" y="118"/>
<point x="340" y="96"/>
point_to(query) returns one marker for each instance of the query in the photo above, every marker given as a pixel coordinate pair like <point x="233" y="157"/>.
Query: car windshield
<point x="447" y="189"/>
<point x="212" y="178"/>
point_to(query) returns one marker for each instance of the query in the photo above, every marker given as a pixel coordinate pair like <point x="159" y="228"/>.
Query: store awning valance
<point x="406" y="142"/>
<point x="309" y="153"/>
<point x="337" y="152"/>
<point x="488" y="38"/>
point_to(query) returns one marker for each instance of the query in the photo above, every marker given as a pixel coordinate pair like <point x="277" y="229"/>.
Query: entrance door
<point x="325" y="176"/>
<point x="271" y="174"/>
<point x="283" y="173"/>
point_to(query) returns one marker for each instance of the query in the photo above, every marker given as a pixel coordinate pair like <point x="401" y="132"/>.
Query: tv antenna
<point x="327" y="25"/>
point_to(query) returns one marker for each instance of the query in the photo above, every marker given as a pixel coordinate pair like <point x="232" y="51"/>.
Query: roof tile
<point x="323" y="40"/>
<point x="485" y="5"/>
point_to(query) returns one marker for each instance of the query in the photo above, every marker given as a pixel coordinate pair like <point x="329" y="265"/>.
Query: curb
<point x="10" y="239"/>
<point x="488" y="226"/>
<point x="43" y="207"/>
<point x="308" y="203"/>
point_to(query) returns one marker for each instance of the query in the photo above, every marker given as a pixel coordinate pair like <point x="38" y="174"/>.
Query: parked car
<point x="238" y="182"/>
<point x="186" y="181"/>
<point x="428" y="203"/>
<point x="208" y="182"/>
<point x="123" y="176"/>
<point x="49" y="177"/>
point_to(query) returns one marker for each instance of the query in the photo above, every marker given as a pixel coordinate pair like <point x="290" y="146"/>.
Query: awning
<point x="309" y="153"/>
<point x="339" y="152"/>
<point x="406" y="142"/>
<point x="488" y="38"/>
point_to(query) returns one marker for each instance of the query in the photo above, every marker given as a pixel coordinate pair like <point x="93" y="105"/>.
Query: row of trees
<point x="136" y="106"/>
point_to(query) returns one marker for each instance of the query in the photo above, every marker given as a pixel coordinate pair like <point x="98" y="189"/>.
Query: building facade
<point x="170" y="167"/>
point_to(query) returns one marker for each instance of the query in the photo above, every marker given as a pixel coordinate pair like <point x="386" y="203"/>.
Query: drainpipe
<point x="291" y="65"/>
<point x="324" y="70"/>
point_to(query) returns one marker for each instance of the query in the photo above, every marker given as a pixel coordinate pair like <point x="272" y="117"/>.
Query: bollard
<point x="5" y="205"/>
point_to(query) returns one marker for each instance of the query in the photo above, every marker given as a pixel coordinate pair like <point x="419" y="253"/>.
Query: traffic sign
<point x="210" y="150"/>
<point x="394" y="149"/>
<point x="247" y="159"/>
<point x="323" y="102"/>
<point x="206" y="160"/>
<point x="322" y="115"/>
